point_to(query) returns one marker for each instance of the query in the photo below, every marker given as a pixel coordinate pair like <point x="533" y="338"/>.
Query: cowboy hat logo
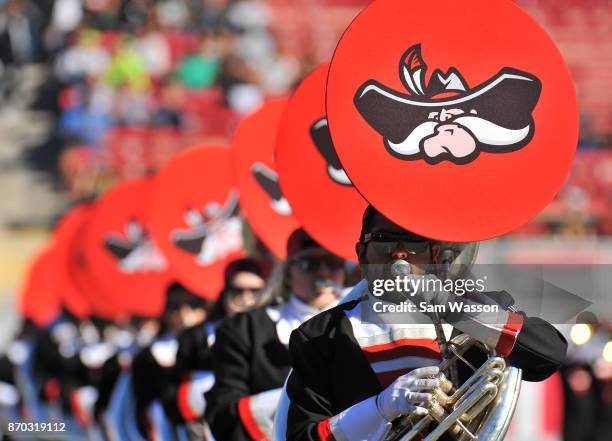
<point x="214" y="232"/>
<point x="268" y="181"/>
<point x="444" y="119"/>
<point x="134" y="250"/>
<point x="319" y="133"/>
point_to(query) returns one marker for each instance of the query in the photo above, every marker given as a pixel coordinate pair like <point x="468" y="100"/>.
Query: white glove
<point x="371" y="418"/>
<point x="407" y="393"/>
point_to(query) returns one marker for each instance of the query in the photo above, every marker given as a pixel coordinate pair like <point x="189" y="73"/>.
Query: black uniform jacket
<point x="332" y="371"/>
<point x="248" y="358"/>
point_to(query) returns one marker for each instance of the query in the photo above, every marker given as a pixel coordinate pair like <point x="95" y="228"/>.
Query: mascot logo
<point x="445" y="119"/>
<point x="268" y="181"/>
<point x="319" y="133"/>
<point x="134" y="250"/>
<point x="214" y="232"/>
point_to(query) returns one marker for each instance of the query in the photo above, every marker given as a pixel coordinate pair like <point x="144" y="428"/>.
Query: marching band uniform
<point x="250" y="355"/>
<point x="162" y="369"/>
<point x="154" y="370"/>
<point x="183" y="399"/>
<point x="83" y="366"/>
<point x="58" y="364"/>
<point x="342" y="363"/>
<point x="9" y="393"/>
<point x="251" y="363"/>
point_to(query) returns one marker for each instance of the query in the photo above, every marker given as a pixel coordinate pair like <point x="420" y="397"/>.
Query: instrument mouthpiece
<point x="401" y="268"/>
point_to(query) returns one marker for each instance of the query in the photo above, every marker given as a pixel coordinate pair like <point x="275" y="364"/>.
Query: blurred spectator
<point x="282" y="72"/>
<point x="128" y="68"/>
<point x="153" y="48"/>
<point x="169" y="108"/>
<point x="103" y="14"/>
<point x="135" y="14"/>
<point x="249" y="16"/>
<point x="210" y="14"/>
<point x="84" y="121"/>
<point x="67" y="15"/>
<point x="201" y="69"/>
<point x="21" y="25"/>
<point x="84" y="57"/>
<point x="238" y="81"/>
<point x="173" y="14"/>
<point x="132" y="106"/>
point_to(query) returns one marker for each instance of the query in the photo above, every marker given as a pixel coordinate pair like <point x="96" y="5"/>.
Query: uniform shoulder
<point x="195" y="333"/>
<point x="244" y="321"/>
<point x="327" y="321"/>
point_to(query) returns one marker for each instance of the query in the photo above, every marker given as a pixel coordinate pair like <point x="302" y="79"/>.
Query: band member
<point x="58" y="359"/>
<point x="242" y="288"/>
<point x="251" y="360"/>
<point x="353" y="377"/>
<point x="9" y="393"/>
<point x="183" y="400"/>
<point x="154" y="367"/>
<point x="140" y="332"/>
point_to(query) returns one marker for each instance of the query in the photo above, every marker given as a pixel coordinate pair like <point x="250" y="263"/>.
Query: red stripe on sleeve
<point x="509" y="333"/>
<point x="400" y="352"/>
<point x="248" y="421"/>
<point x="324" y="431"/>
<point x="416" y="343"/>
<point x="76" y="409"/>
<point x="183" y="402"/>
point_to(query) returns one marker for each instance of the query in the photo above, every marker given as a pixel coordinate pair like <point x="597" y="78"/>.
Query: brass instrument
<point x="481" y="408"/>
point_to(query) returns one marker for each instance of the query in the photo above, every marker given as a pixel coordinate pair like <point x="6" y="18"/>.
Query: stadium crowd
<point x="177" y="70"/>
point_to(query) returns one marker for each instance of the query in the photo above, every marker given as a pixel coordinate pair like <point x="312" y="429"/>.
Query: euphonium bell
<point x="481" y="408"/>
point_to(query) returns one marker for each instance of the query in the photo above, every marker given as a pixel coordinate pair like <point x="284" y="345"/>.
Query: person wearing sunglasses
<point x="242" y="289"/>
<point x="251" y="359"/>
<point x="183" y="399"/>
<point x="354" y="372"/>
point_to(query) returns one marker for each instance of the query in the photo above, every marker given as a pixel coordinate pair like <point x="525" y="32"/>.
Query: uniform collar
<point x="303" y="309"/>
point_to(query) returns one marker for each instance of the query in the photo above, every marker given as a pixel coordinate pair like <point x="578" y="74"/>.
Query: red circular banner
<point x="67" y="235"/>
<point x="261" y="198"/>
<point x="126" y="272"/>
<point x="311" y="176"/>
<point x="195" y="217"/>
<point x="39" y="300"/>
<point x="457" y="120"/>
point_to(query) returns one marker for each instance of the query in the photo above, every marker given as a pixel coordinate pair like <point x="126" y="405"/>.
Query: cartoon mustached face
<point x="214" y="232"/>
<point x="268" y="181"/>
<point x="445" y="119"/>
<point x="134" y="250"/>
<point x="319" y="133"/>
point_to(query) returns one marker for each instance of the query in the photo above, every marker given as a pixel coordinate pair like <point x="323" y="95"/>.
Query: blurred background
<point x="95" y="91"/>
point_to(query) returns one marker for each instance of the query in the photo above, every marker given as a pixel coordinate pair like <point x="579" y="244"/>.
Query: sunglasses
<point x="312" y="264"/>
<point x="387" y="243"/>
<point x="237" y="290"/>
